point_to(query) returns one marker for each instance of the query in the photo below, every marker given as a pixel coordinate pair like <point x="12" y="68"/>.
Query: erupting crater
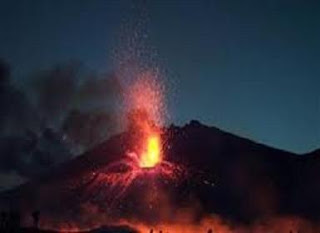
<point x="144" y="160"/>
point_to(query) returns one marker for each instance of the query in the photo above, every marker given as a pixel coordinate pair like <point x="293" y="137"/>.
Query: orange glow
<point x="151" y="156"/>
<point x="213" y="223"/>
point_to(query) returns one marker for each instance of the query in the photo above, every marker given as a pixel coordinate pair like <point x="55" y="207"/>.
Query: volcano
<point x="210" y="172"/>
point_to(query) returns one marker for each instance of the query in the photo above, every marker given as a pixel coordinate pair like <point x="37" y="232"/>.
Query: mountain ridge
<point x="251" y="180"/>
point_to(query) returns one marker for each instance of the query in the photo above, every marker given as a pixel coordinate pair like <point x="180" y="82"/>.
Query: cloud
<point x="86" y="129"/>
<point x="63" y="111"/>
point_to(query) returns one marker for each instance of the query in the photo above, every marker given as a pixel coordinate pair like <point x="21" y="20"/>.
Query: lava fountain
<point x="146" y="109"/>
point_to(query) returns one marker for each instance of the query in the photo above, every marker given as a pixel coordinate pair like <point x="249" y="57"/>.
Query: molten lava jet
<point x="151" y="156"/>
<point x="144" y="101"/>
<point x="147" y="139"/>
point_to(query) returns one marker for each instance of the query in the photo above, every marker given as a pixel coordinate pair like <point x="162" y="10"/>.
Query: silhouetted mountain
<point x="251" y="180"/>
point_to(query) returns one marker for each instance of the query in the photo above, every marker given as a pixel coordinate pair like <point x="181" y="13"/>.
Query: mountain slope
<point x="231" y="176"/>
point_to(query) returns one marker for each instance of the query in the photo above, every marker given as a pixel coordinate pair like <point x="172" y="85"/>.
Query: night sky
<point x="247" y="67"/>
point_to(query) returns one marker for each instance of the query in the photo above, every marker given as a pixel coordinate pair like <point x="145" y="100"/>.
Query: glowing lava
<point x="152" y="154"/>
<point x="146" y="149"/>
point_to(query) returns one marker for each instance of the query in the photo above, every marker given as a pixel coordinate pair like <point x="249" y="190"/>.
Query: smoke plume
<point x="60" y="113"/>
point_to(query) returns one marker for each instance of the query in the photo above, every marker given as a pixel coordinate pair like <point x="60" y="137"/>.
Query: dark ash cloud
<point x="64" y="111"/>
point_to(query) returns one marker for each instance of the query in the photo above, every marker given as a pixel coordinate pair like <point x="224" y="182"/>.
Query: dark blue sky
<point x="248" y="67"/>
